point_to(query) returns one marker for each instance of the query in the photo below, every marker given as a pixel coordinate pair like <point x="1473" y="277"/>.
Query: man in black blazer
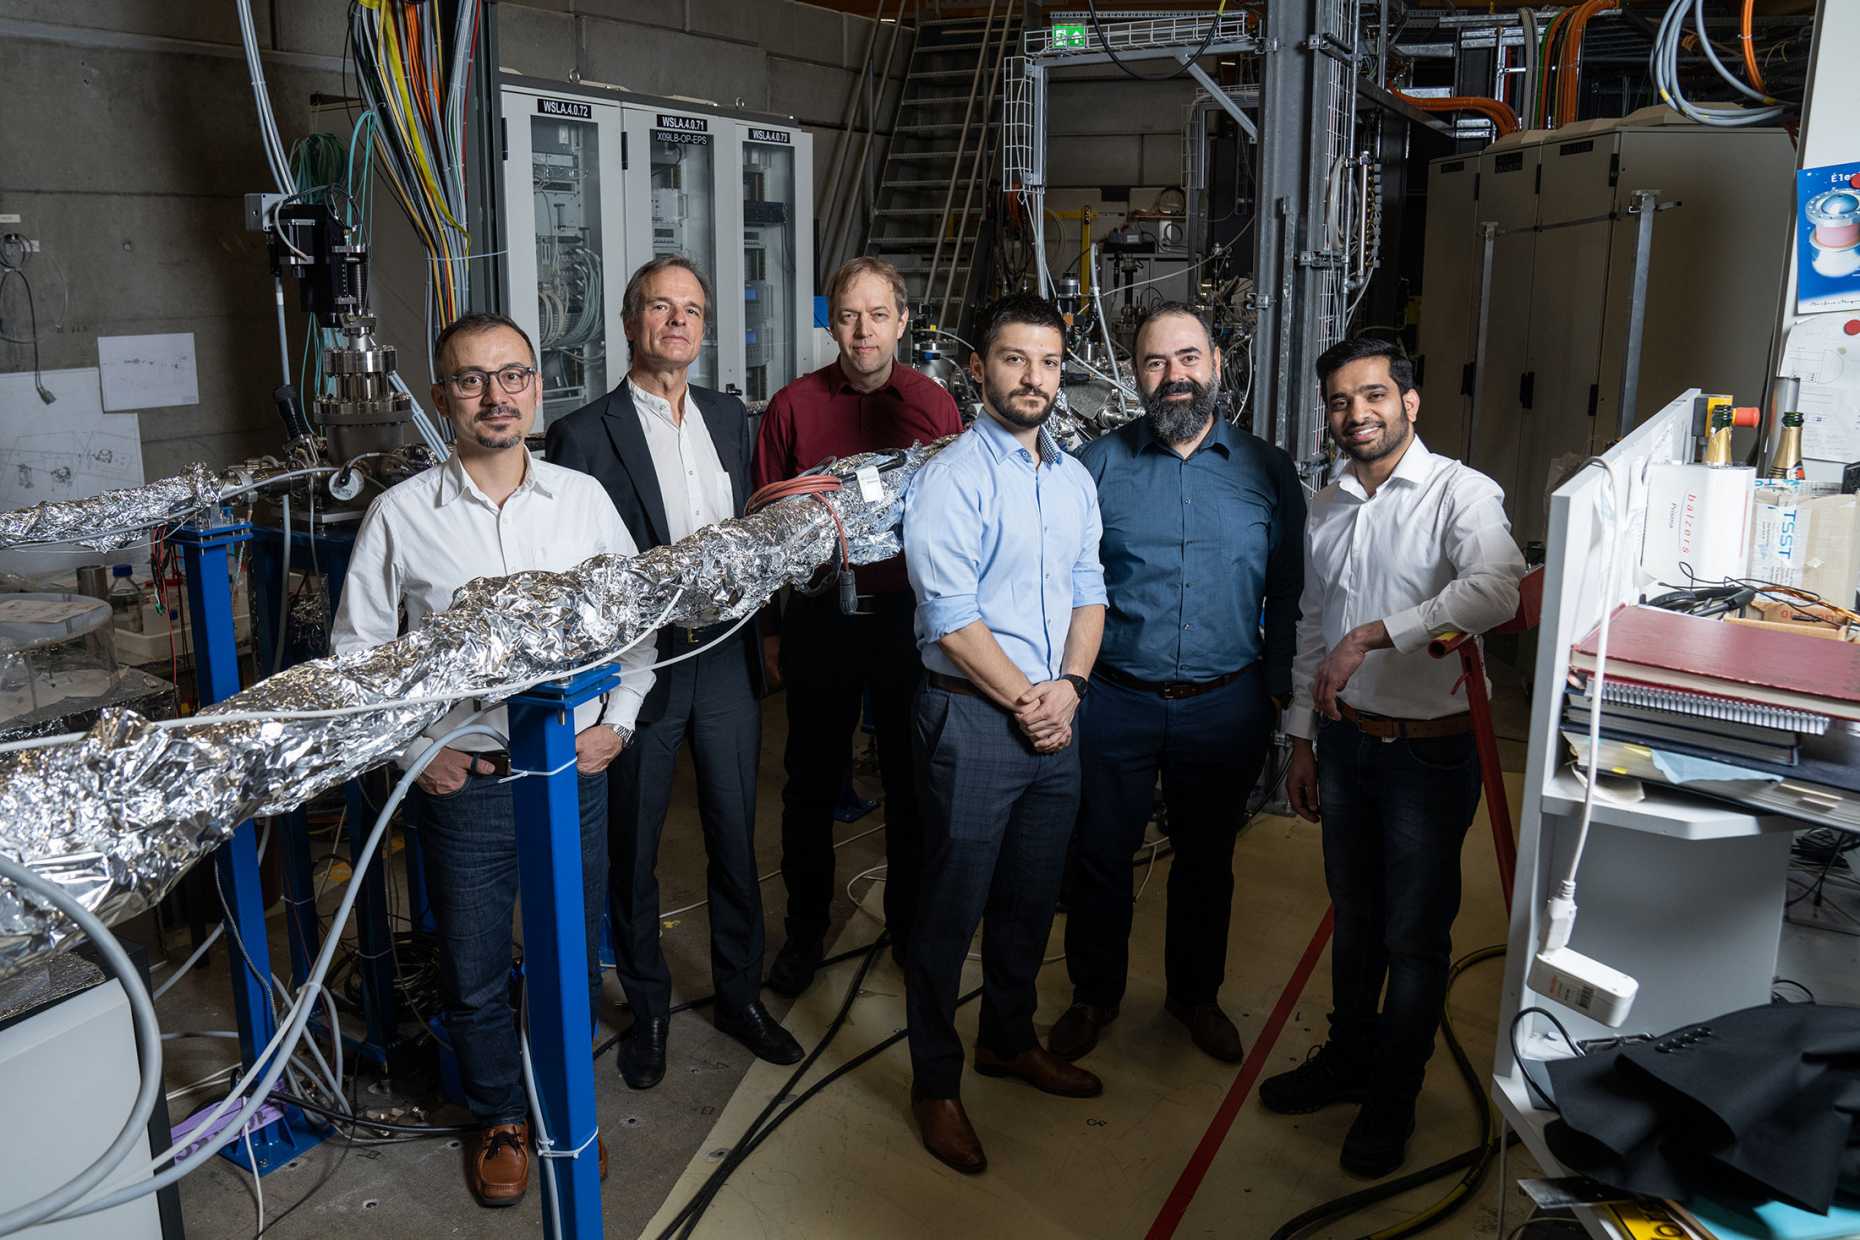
<point x="669" y="474"/>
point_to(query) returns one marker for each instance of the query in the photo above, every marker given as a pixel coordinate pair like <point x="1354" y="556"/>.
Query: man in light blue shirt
<point x="1001" y="537"/>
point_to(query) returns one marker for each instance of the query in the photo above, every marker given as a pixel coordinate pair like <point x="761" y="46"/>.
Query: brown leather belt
<point x="956" y="684"/>
<point x="1168" y="690"/>
<point x="1387" y="729"/>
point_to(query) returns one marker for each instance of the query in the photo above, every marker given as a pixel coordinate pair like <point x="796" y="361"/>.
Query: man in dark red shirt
<point x="863" y="402"/>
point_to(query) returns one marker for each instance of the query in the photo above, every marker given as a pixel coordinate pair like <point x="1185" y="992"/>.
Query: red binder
<point x="1692" y="654"/>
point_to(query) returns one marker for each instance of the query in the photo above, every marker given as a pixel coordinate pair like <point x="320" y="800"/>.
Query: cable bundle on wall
<point x="1664" y="66"/>
<point x="412" y="75"/>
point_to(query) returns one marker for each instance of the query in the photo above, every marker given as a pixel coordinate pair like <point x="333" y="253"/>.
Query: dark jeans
<point x="708" y="701"/>
<point x="470" y="843"/>
<point x="996" y="818"/>
<point x="827" y="660"/>
<point x="1209" y="750"/>
<point x="1395" y="815"/>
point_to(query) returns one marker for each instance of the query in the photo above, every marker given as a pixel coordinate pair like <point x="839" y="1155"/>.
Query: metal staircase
<point x="939" y="177"/>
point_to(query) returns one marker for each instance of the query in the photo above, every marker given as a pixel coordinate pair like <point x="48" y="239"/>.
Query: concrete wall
<point x="131" y="141"/>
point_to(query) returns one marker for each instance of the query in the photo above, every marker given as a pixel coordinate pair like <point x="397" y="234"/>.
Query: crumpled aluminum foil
<point x="118" y="816"/>
<point x="114" y="519"/>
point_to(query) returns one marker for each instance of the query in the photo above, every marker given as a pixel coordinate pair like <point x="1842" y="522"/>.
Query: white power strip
<point x="1588" y="986"/>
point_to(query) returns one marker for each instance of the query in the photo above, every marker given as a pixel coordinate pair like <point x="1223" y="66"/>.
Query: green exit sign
<point x="1068" y="34"/>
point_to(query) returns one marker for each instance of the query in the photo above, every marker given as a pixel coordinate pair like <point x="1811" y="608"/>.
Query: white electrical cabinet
<point x="1562" y="267"/>
<point x="598" y="184"/>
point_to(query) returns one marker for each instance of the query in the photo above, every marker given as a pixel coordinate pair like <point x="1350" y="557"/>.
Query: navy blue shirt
<point x="1196" y="551"/>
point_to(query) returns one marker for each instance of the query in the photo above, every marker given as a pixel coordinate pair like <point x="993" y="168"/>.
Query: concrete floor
<point x="849" y="1165"/>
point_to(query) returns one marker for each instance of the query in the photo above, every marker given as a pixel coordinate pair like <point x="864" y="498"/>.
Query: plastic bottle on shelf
<point x="126" y="598"/>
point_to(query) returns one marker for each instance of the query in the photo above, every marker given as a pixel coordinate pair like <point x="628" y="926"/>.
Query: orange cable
<point x="1750" y="50"/>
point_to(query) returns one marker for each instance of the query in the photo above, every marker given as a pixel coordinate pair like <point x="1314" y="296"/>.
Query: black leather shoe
<point x="1076" y="1031"/>
<point x="642" y="1052"/>
<point x="793" y="970"/>
<point x="756" y="1029"/>
<point x="1209" y="1028"/>
<point x="1377" y="1143"/>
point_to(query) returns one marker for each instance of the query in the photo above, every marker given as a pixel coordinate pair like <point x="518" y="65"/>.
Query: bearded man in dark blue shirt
<point x="1203" y="564"/>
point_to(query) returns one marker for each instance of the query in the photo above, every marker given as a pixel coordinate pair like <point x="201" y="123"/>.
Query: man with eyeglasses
<point x="490" y="510"/>
<point x="675" y="458"/>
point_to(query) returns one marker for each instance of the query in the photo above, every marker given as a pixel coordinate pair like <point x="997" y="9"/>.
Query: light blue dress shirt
<point x="990" y="537"/>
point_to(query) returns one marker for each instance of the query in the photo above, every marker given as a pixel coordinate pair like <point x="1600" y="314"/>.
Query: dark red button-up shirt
<point x="821" y="415"/>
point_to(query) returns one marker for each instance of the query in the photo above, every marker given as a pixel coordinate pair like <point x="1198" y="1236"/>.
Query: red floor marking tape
<point x="1186" y="1185"/>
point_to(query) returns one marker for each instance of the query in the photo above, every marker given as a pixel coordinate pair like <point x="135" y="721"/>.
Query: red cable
<point x="815" y="486"/>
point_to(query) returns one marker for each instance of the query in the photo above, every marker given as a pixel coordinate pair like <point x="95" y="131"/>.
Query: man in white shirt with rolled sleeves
<point x="490" y="510"/>
<point x="1404" y="546"/>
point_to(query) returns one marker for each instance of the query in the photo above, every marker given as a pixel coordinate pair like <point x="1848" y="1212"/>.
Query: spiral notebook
<point x="1751" y="669"/>
<point x="1703" y="711"/>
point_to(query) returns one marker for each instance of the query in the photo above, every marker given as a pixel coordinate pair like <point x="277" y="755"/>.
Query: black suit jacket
<point x="604" y="439"/>
<point x="1753" y="1104"/>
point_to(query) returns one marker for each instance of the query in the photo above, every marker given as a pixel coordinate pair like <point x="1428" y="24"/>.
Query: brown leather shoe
<point x="497" y="1164"/>
<point x="601" y="1142"/>
<point x="1041" y="1069"/>
<point x="948" y="1134"/>
<point x="1075" y="1033"/>
<point x="1209" y="1028"/>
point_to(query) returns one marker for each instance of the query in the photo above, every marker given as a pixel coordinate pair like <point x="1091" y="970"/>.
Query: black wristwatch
<point x="1079" y="684"/>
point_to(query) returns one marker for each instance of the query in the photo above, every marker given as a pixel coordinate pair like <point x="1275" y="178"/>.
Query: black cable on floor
<point x="690" y="1005"/>
<point x="1473" y="1162"/>
<point x="687" y="1218"/>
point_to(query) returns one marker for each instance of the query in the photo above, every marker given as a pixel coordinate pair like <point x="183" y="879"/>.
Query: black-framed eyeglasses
<point x="468" y="383"/>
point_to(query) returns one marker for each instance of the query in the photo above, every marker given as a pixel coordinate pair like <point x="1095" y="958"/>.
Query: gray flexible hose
<point x="148" y="1039"/>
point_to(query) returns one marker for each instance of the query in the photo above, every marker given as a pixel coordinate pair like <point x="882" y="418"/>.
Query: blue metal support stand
<point x="216" y="668"/>
<point x="548" y="814"/>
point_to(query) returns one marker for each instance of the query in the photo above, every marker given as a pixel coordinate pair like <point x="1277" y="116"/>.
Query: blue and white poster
<point x="1827" y="233"/>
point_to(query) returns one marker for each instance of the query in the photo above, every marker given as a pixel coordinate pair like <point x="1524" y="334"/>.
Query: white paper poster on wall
<point x="148" y="372"/>
<point x="70" y="449"/>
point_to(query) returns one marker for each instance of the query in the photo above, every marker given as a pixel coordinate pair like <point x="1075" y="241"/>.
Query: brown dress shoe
<point x="1209" y="1028"/>
<point x="1075" y="1033"/>
<point x="497" y="1164"/>
<point x="1041" y="1069"/>
<point x="948" y="1134"/>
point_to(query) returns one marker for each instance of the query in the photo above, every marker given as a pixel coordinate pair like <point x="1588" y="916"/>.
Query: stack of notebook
<point x="1767" y="719"/>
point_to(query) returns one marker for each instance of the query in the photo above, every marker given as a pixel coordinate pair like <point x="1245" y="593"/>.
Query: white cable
<point x="261" y="1091"/>
<point x="188" y="964"/>
<point x="550" y="1188"/>
<point x="1560" y="910"/>
<point x="284" y="586"/>
<point x="851" y="839"/>
<point x="258" y="1184"/>
<point x="148" y="1044"/>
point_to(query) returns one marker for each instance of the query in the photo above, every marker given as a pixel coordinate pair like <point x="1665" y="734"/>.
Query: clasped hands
<point x="1044" y="713"/>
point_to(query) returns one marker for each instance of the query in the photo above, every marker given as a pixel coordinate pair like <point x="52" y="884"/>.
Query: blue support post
<point x="216" y="671"/>
<point x="548" y="813"/>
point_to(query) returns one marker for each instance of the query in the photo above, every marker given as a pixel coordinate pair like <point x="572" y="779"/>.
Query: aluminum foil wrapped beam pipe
<point x="124" y="517"/>
<point x="113" y="519"/>
<point x="118" y="816"/>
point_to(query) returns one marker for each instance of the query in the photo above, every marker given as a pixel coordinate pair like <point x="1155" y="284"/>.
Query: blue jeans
<point x="470" y="842"/>
<point x="1209" y="750"/>
<point x="1395" y="815"/>
<point x="996" y="820"/>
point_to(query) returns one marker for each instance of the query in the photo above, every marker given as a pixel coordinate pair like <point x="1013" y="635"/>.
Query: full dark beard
<point x="1177" y="422"/>
<point x="1395" y="436"/>
<point x="1002" y="402"/>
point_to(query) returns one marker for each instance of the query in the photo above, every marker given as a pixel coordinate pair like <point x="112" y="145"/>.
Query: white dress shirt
<point x="1429" y="553"/>
<point x="429" y="535"/>
<point x="695" y="486"/>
